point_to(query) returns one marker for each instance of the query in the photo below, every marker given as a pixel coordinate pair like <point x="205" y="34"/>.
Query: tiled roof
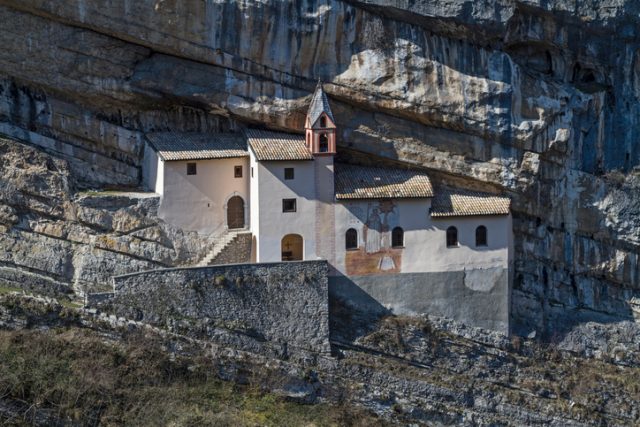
<point x="363" y="182"/>
<point x="319" y="104"/>
<point x="468" y="203"/>
<point x="197" y="146"/>
<point x="269" y="145"/>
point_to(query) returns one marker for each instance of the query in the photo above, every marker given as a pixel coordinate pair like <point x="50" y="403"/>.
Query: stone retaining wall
<point x="285" y="304"/>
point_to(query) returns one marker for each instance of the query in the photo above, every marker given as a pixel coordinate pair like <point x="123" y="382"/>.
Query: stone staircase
<point x="223" y="242"/>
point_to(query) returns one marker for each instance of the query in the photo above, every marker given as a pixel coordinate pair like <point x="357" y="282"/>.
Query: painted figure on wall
<point x="378" y="256"/>
<point x="373" y="232"/>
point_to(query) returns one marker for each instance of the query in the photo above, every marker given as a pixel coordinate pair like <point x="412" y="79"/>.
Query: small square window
<point x="191" y="169"/>
<point x="237" y="171"/>
<point x="288" y="205"/>
<point x="288" y="173"/>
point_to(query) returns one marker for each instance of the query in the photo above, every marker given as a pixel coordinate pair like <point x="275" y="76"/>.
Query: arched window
<point x="292" y="247"/>
<point x="351" y="239"/>
<point x="323" y="122"/>
<point x="397" y="237"/>
<point x="452" y="237"/>
<point x="324" y="143"/>
<point x="481" y="236"/>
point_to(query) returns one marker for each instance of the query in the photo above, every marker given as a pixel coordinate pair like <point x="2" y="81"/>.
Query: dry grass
<point x="79" y="377"/>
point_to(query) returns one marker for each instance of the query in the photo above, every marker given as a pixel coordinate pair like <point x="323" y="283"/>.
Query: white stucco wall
<point x="425" y="248"/>
<point x="273" y="224"/>
<point x="197" y="202"/>
<point x="152" y="170"/>
<point x="467" y="255"/>
<point x="254" y="173"/>
<point x="325" y="208"/>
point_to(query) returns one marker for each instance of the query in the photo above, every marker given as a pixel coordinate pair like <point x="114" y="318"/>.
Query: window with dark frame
<point x="323" y="122"/>
<point x="397" y="237"/>
<point x="191" y="169"/>
<point x="481" y="236"/>
<point x="351" y="239"/>
<point x="288" y="205"/>
<point x="237" y="171"/>
<point x="288" y="173"/>
<point x="452" y="237"/>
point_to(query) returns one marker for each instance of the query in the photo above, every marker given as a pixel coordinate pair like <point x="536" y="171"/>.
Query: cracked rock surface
<point x="56" y="240"/>
<point x="535" y="99"/>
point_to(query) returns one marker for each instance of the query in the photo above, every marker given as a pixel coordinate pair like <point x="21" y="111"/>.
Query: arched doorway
<point x="235" y="212"/>
<point x="291" y="247"/>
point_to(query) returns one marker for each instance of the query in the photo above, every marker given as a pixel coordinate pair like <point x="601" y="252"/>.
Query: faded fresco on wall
<point x="375" y="254"/>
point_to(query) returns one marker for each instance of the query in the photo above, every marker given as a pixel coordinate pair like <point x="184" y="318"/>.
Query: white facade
<point x="424" y="246"/>
<point x="269" y="223"/>
<point x="152" y="171"/>
<point x="254" y="206"/>
<point x="199" y="202"/>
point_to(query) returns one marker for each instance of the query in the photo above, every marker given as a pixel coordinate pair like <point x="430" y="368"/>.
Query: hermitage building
<point x="393" y="242"/>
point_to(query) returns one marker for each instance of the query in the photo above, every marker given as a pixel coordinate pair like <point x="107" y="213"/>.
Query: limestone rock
<point x="54" y="241"/>
<point x="538" y="99"/>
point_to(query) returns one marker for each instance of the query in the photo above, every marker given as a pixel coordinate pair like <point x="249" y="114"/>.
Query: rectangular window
<point x="288" y="173"/>
<point x="288" y="205"/>
<point x="251" y="171"/>
<point x="191" y="169"/>
<point x="237" y="171"/>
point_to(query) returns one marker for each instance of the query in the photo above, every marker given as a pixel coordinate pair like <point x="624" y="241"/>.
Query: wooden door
<point x="235" y="212"/>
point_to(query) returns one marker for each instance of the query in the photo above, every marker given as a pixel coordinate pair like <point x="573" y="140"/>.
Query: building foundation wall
<point x="478" y="297"/>
<point x="284" y="304"/>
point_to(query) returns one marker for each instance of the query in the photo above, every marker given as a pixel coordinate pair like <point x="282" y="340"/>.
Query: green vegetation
<point x="63" y="301"/>
<point x="7" y="289"/>
<point x="101" y="193"/>
<point x="78" y="376"/>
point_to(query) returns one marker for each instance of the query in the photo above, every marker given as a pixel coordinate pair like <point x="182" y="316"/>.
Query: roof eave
<point x="347" y="197"/>
<point x="284" y="160"/>
<point x="202" y="158"/>
<point x="461" y="215"/>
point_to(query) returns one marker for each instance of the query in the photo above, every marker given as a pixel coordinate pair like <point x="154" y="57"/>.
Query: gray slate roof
<point x="449" y="203"/>
<point x="319" y="104"/>
<point x="364" y="182"/>
<point x="197" y="146"/>
<point x="268" y="145"/>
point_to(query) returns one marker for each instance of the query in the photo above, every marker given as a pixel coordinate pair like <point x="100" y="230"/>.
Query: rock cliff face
<point x="538" y="99"/>
<point x="55" y="243"/>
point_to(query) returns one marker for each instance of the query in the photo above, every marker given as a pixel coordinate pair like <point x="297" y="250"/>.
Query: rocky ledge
<point x="407" y="371"/>
<point x="57" y="240"/>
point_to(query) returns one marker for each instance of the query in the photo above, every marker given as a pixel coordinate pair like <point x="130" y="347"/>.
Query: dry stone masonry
<point x="285" y="304"/>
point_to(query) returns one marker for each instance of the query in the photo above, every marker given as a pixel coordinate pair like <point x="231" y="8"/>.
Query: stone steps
<point x="221" y="244"/>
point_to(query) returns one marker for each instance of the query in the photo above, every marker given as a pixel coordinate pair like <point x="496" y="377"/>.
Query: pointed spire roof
<point x="319" y="104"/>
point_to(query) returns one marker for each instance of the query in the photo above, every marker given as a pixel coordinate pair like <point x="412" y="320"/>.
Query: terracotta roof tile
<point x="269" y="145"/>
<point x="448" y="203"/>
<point x="197" y="146"/>
<point x="363" y="182"/>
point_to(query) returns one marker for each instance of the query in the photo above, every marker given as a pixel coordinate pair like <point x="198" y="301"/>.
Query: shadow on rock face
<point x="348" y="321"/>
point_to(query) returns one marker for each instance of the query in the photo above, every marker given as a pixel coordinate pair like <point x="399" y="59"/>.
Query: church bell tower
<point x="320" y="127"/>
<point x="320" y="130"/>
